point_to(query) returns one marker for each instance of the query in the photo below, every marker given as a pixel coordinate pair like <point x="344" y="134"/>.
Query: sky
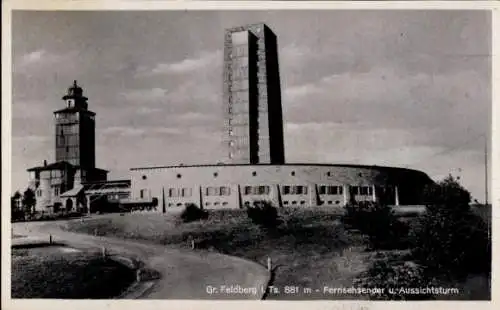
<point x="395" y="88"/>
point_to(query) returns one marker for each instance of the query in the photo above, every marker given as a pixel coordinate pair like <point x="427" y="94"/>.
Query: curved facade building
<point x="234" y="186"/>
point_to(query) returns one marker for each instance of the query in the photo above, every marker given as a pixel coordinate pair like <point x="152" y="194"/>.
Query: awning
<point x="73" y="192"/>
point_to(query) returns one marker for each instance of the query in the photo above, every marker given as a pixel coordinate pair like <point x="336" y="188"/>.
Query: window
<point x="286" y="190"/>
<point x="179" y="175"/>
<point x="257" y="190"/>
<point x="144" y="177"/>
<point x="248" y="190"/>
<point x="263" y="190"/>
<point x="335" y="190"/>
<point x="328" y="173"/>
<point x="215" y="173"/>
<point x="212" y="191"/>
<point x="142" y="193"/>
<point x="56" y="191"/>
<point x="187" y="192"/>
<point x="355" y="190"/>
<point x="293" y="173"/>
<point x="173" y="192"/>
<point x="322" y="190"/>
<point x="254" y="173"/>
<point x="39" y="192"/>
<point x="300" y="190"/>
<point x="294" y="190"/>
<point x="366" y="190"/>
<point x="225" y="191"/>
<point x="363" y="190"/>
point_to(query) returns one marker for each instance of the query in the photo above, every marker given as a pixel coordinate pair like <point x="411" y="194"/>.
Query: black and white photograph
<point x="290" y="155"/>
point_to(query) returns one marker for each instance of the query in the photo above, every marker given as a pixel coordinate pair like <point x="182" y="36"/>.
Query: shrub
<point x="264" y="214"/>
<point x="193" y="213"/>
<point x="379" y="223"/>
<point x="451" y="238"/>
<point x="394" y="277"/>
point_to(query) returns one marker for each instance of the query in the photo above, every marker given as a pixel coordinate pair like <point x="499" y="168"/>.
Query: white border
<point x="8" y="5"/>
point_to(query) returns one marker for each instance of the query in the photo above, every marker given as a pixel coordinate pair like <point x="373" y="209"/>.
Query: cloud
<point x="35" y="61"/>
<point x="129" y="131"/>
<point x="33" y="57"/>
<point x="188" y="65"/>
<point x="295" y="93"/>
<point x="195" y="116"/>
<point x="166" y="130"/>
<point x="385" y="97"/>
<point x="296" y="55"/>
<point x="141" y="95"/>
<point x="123" y="131"/>
<point x="148" y="110"/>
<point x="31" y="139"/>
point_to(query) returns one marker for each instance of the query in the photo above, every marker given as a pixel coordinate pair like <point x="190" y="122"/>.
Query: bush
<point x="193" y="213"/>
<point x="264" y="214"/>
<point x="451" y="238"/>
<point x="394" y="276"/>
<point x="379" y="223"/>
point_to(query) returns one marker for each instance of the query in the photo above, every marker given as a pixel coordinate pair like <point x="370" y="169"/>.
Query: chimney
<point x="45" y="163"/>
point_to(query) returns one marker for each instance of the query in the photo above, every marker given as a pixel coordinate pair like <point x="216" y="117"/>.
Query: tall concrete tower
<point x="252" y="96"/>
<point x="75" y="130"/>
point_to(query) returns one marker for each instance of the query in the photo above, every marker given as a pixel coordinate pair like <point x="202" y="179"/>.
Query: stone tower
<point x="75" y="130"/>
<point x="252" y="96"/>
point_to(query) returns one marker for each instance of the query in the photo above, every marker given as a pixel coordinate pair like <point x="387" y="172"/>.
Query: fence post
<point x="103" y="250"/>
<point x="138" y="275"/>
<point x="192" y="244"/>
<point x="95" y="231"/>
<point x="269" y="265"/>
<point x="50" y="239"/>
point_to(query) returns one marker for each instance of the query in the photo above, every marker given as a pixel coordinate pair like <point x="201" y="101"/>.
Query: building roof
<point x="74" y="109"/>
<point x="61" y="165"/>
<point x="108" y="183"/>
<point x="286" y="164"/>
<point x="73" y="192"/>
<point x="58" y="165"/>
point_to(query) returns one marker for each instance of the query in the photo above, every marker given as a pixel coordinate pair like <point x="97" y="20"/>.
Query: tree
<point x="14" y="200"/>
<point x="264" y="214"/>
<point x="378" y="222"/>
<point x="193" y="213"/>
<point x="29" y="201"/>
<point x="15" y="210"/>
<point x="450" y="238"/>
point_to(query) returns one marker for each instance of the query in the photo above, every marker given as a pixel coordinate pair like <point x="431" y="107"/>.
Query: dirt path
<point x="184" y="274"/>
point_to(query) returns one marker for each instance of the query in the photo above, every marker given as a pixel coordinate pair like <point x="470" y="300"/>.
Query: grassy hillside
<point x="55" y="272"/>
<point x="310" y="248"/>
